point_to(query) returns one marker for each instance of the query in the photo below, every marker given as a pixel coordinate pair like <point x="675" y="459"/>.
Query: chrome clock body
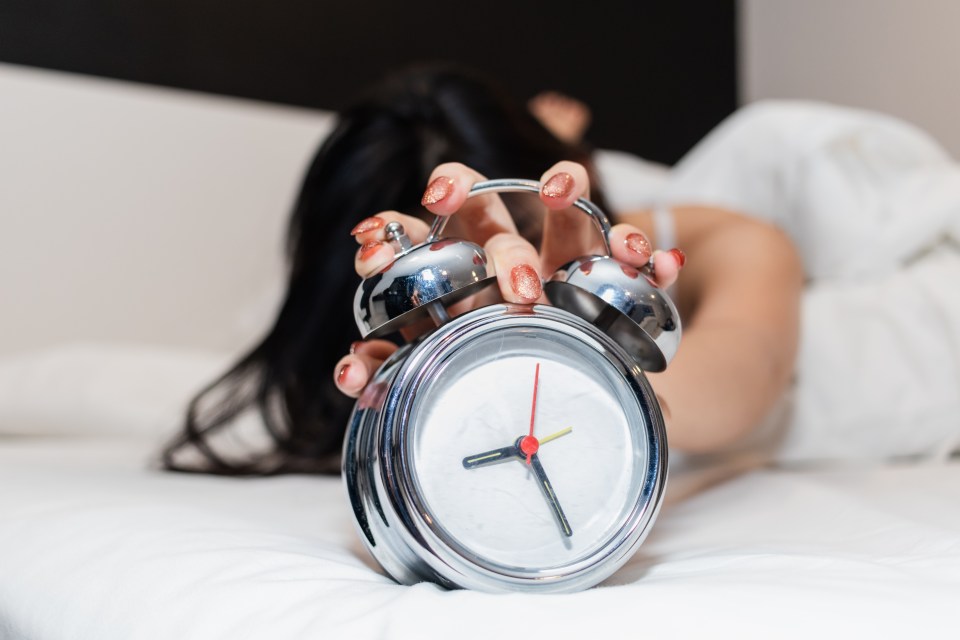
<point x="514" y="447"/>
<point x="415" y="527"/>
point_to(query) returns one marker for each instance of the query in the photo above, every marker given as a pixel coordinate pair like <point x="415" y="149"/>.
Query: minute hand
<point x="550" y="494"/>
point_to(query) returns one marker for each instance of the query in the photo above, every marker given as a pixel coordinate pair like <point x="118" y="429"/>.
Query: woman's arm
<point x="740" y="301"/>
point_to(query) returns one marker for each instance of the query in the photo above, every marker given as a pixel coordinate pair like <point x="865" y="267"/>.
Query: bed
<point x="96" y="545"/>
<point x="125" y="289"/>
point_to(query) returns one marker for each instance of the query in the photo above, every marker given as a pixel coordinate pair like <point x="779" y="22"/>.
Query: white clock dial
<point x="484" y="494"/>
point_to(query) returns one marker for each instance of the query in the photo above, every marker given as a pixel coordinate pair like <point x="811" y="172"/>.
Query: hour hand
<point x="491" y="457"/>
<point x="549" y="494"/>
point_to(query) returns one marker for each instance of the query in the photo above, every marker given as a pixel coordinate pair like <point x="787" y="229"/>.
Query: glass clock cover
<point x="494" y="401"/>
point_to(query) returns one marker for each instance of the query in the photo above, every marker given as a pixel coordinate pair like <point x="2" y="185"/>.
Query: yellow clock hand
<point x="554" y="436"/>
<point x="499" y="455"/>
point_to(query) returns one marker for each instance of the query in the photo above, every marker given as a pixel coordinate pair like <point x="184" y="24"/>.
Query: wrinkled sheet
<point x="94" y="545"/>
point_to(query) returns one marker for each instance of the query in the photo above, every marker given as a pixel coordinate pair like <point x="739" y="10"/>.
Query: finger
<point x="353" y="372"/>
<point x="372" y="257"/>
<point x="517" y="266"/>
<point x="372" y="228"/>
<point x="667" y="265"/>
<point x="567" y="232"/>
<point x="377" y="349"/>
<point x="630" y="245"/>
<point x="478" y="218"/>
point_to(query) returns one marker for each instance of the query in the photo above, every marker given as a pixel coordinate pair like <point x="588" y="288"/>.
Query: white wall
<point x="897" y="56"/>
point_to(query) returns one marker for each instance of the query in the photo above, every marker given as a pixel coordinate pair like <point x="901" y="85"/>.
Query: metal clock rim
<point x="434" y="548"/>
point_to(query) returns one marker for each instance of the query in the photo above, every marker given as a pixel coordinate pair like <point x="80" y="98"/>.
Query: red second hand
<point x="529" y="444"/>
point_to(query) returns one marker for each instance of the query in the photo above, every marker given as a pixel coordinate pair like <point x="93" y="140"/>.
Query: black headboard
<point x="657" y="74"/>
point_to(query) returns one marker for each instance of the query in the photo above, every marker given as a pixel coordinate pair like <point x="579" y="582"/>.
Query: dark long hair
<point x="379" y="157"/>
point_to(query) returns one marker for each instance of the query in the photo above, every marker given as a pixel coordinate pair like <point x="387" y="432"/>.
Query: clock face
<point x="528" y="450"/>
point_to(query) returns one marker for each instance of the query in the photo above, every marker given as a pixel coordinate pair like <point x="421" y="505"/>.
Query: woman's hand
<point x="484" y="219"/>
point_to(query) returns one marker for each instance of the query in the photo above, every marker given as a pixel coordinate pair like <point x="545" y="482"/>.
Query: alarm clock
<point x="513" y="447"/>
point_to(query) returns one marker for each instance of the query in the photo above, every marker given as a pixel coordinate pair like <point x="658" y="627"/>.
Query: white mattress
<point x="95" y="545"/>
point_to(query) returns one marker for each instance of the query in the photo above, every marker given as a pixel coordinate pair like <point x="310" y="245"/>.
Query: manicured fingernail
<point x="354" y="345"/>
<point x="342" y="374"/>
<point x="525" y="282"/>
<point x="680" y="256"/>
<point x="437" y="190"/>
<point x="369" y="249"/>
<point x="558" y="186"/>
<point x="369" y="224"/>
<point x="638" y="243"/>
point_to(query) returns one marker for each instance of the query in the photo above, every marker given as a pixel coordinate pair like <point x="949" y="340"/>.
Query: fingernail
<point x="559" y="186"/>
<point x="525" y="282"/>
<point x="680" y="256"/>
<point x="437" y="190"/>
<point x="354" y="345"/>
<point x="342" y="374"/>
<point x="367" y="225"/>
<point x="638" y="243"/>
<point x="369" y="249"/>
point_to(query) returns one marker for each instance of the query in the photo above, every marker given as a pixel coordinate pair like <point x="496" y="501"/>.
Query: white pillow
<point x="878" y="372"/>
<point x="630" y="183"/>
<point x="98" y="389"/>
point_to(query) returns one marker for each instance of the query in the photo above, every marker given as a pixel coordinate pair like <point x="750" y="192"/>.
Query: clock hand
<point x="550" y="495"/>
<point x="506" y="453"/>
<point x="529" y="445"/>
<point x="490" y="457"/>
<point x="554" y="436"/>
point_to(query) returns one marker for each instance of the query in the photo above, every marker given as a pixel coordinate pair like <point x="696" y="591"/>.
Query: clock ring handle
<point x="508" y="185"/>
<point x="622" y="301"/>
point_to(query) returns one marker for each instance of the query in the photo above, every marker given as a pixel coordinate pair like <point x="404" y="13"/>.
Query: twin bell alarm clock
<point x="513" y="447"/>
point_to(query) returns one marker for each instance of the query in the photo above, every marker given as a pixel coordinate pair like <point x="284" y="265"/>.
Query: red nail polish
<point x="680" y="256"/>
<point x="370" y="224"/>
<point x="525" y="282"/>
<point x="558" y="186"/>
<point x="437" y="190"/>
<point x="342" y="374"/>
<point x="638" y="243"/>
<point x="369" y="249"/>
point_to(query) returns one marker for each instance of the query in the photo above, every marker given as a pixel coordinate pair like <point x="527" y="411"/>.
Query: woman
<point x="444" y="130"/>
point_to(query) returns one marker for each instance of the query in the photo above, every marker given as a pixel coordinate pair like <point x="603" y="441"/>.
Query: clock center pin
<point x="529" y="445"/>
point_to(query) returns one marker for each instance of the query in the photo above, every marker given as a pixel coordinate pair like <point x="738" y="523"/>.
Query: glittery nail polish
<point x="525" y="282"/>
<point x="680" y="256"/>
<point x="437" y="190"/>
<point x="369" y="249"/>
<point x="342" y="374"/>
<point x="638" y="243"/>
<point x="370" y="224"/>
<point x="558" y="186"/>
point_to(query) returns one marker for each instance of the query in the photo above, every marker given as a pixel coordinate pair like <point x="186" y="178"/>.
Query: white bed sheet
<point x="95" y="545"/>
